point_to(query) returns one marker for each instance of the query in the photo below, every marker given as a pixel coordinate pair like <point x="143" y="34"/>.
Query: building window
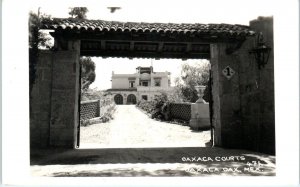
<point x="145" y="83"/>
<point x="145" y="97"/>
<point x="157" y="82"/>
<point x="131" y="84"/>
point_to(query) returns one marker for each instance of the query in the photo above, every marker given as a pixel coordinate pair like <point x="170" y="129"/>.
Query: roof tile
<point x="101" y="25"/>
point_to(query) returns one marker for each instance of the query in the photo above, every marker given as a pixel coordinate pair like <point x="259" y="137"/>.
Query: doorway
<point x="131" y="99"/>
<point x="118" y="99"/>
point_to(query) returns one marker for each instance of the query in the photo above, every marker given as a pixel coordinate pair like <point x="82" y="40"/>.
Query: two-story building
<point x="143" y="84"/>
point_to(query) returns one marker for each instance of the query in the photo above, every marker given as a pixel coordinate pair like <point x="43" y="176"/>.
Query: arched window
<point x="131" y="99"/>
<point x="118" y="99"/>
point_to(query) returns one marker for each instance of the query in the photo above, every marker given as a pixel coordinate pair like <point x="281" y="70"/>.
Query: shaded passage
<point x="149" y="162"/>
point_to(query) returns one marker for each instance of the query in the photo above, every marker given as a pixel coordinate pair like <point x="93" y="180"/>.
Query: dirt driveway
<point x="133" y="128"/>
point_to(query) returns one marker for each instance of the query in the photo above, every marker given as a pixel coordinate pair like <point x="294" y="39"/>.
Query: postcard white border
<point x="15" y="117"/>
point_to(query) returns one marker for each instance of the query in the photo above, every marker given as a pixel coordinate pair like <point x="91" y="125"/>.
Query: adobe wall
<point x="40" y="101"/>
<point x="259" y="89"/>
<point x="244" y="115"/>
<point x="226" y="98"/>
<point x="55" y="98"/>
<point x="65" y="96"/>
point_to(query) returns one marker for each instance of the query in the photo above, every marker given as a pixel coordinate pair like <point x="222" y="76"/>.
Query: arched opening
<point x="118" y="99"/>
<point x="224" y="45"/>
<point x="131" y="99"/>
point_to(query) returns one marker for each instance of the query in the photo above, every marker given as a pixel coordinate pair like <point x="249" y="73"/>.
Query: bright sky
<point x="188" y="11"/>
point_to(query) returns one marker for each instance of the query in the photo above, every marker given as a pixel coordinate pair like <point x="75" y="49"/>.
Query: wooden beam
<point x="188" y="47"/>
<point x="160" y="47"/>
<point x="103" y="44"/>
<point x="149" y="37"/>
<point x="145" y="54"/>
<point x="131" y="46"/>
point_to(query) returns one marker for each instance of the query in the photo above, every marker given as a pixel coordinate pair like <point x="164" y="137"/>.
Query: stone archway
<point x="118" y="99"/>
<point x="131" y="99"/>
<point x="238" y="101"/>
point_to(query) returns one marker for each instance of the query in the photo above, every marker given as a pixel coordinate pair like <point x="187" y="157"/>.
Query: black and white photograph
<point x="154" y="89"/>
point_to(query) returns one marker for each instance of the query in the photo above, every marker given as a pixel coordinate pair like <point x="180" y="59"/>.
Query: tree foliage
<point x="78" y="12"/>
<point x="37" y="40"/>
<point x="88" y="74"/>
<point x="191" y="76"/>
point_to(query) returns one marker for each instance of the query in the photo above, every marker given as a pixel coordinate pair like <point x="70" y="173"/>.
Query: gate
<point x="131" y="99"/>
<point x="118" y="99"/>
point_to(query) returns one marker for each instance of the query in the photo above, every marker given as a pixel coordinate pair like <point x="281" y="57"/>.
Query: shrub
<point x="157" y="108"/>
<point x="85" y="123"/>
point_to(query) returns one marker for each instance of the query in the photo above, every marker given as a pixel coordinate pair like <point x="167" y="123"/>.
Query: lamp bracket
<point x="261" y="52"/>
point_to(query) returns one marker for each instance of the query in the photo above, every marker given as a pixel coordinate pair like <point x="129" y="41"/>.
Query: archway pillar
<point x="65" y="93"/>
<point x="226" y="98"/>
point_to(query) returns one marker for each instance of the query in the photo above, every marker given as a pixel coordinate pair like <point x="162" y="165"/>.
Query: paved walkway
<point x="133" y="128"/>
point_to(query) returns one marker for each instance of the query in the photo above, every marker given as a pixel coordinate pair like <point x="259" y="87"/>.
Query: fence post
<point x="99" y="108"/>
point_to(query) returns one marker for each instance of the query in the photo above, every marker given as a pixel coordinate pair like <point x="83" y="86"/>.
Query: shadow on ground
<point x="136" y="155"/>
<point x="121" y="172"/>
<point x="124" y="173"/>
<point x="188" y="161"/>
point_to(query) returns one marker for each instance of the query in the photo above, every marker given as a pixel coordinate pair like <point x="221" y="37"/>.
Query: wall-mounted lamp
<point x="261" y="51"/>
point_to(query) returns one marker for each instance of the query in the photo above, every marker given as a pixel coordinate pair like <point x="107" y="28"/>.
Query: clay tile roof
<point x="101" y="25"/>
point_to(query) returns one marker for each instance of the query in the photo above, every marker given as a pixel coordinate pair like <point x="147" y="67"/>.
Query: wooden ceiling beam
<point x="188" y="47"/>
<point x="132" y="46"/>
<point x="145" y="54"/>
<point x="103" y="44"/>
<point x="160" y="46"/>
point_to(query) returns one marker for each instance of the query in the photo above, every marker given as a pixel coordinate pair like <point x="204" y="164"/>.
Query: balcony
<point x="153" y="88"/>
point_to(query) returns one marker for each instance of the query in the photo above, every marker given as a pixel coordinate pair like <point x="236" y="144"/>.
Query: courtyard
<point x="132" y="128"/>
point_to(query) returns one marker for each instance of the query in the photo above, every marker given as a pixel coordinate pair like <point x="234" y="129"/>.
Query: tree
<point x="78" y="12"/>
<point x="191" y="76"/>
<point x="88" y="74"/>
<point x="37" y="40"/>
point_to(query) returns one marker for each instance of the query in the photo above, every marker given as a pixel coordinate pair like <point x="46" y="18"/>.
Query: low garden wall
<point x="167" y="111"/>
<point x="89" y="109"/>
<point x="181" y="111"/>
<point x="96" y="110"/>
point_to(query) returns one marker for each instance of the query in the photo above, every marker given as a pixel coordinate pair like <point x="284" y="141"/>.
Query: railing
<point x="153" y="88"/>
<point x="180" y="111"/>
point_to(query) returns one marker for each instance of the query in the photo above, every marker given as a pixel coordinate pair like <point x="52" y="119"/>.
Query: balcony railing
<point x="153" y="88"/>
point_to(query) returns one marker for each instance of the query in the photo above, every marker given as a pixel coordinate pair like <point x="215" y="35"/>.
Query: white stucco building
<point x="143" y="84"/>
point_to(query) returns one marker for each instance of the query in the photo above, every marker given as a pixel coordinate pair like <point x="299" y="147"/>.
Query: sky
<point x="188" y="11"/>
